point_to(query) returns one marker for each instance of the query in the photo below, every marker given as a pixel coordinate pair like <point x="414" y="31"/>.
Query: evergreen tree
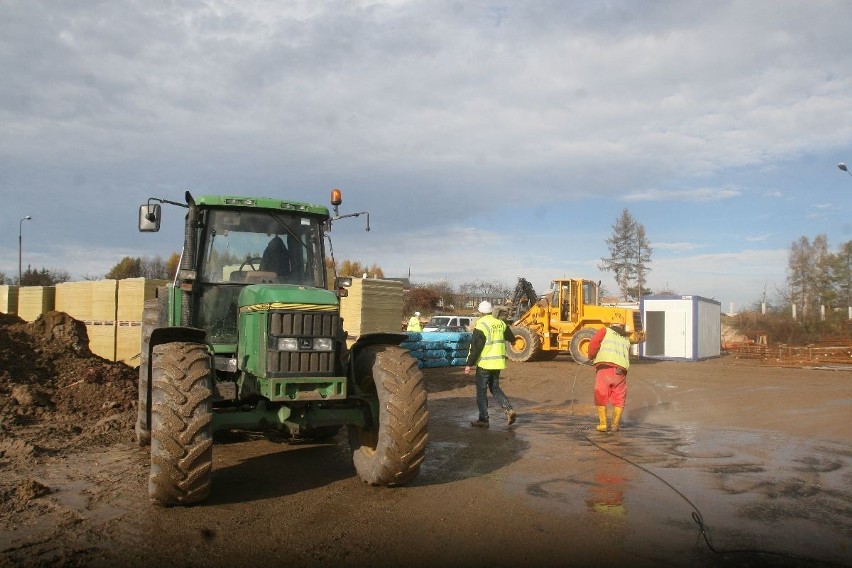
<point x="43" y="277"/>
<point x="629" y="256"/>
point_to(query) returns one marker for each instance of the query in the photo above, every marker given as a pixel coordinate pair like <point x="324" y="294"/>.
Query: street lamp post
<point x="842" y="167"/>
<point x="20" y="248"/>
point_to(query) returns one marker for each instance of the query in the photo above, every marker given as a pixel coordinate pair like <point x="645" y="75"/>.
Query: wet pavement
<point x="760" y="456"/>
<point x="673" y="487"/>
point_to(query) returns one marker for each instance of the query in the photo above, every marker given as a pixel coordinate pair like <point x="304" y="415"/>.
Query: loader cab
<point x="572" y="296"/>
<point x="238" y="247"/>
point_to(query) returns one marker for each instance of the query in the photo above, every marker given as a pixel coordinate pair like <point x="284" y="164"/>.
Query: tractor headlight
<point x="288" y="344"/>
<point x="303" y="344"/>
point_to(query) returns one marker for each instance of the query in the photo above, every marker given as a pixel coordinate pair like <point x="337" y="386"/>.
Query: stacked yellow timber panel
<point x="34" y="301"/>
<point x="104" y="300"/>
<point x="132" y="293"/>
<point x="75" y="299"/>
<point x="128" y="342"/>
<point x="111" y="310"/>
<point x="372" y="305"/>
<point x="93" y="303"/>
<point x="8" y="299"/>
<point x="101" y="323"/>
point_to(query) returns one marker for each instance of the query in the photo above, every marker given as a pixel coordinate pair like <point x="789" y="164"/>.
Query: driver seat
<point x="276" y="258"/>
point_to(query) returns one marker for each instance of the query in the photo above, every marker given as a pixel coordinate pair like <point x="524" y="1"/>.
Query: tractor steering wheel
<point x="250" y="260"/>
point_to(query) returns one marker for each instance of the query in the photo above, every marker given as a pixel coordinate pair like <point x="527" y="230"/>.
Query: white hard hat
<point x="416" y="313"/>
<point x="485" y="307"/>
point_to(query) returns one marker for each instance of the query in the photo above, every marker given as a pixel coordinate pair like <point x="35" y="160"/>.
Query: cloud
<point x="483" y="140"/>
<point x="697" y="195"/>
<point x="757" y="238"/>
<point x="675" y="247"/>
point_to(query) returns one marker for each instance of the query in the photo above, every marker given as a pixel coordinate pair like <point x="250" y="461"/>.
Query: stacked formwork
<point x="34" y="301"/>
<point x="372" y="305"/>
<point x="8" y="299"/>
<point x="131" y="296"/>
<point x="111" y="311"/>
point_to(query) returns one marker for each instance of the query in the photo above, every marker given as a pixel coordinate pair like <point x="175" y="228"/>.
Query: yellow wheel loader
<point x="563" y="320"/>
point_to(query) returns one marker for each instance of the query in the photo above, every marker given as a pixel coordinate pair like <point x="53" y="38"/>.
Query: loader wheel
<point x="153" y="316"/>
<point x="181" y="424"/>
<point x="526" y="347"/>
<point x="580" y="345"/>
<point x="390" y="451"/>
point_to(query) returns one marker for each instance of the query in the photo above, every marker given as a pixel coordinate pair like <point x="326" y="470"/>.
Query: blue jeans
<point x="489" y="379"/>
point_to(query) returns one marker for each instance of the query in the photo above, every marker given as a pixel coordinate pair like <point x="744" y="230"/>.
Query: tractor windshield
<point x="245" y="246"/>
<point x="252" y="247"/>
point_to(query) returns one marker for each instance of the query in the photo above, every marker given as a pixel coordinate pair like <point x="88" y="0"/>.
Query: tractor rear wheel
<point x="390" y="451"/>
<point x="580" y="345"/>
<point x="153" y="316"/>
<point x="526" y="347"/>
<point x="181" y="424"/>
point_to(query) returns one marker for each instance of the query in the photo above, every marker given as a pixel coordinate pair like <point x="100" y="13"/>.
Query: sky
<point x="488" y="140"/>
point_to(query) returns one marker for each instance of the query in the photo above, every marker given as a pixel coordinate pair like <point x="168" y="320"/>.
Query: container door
<point x="676" y="334"/>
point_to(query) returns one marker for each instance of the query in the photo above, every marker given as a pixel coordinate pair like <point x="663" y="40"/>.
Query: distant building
<point x="406" y="283"/>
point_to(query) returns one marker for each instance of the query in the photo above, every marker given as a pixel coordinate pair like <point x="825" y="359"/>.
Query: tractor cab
<point x="243" y="247"/>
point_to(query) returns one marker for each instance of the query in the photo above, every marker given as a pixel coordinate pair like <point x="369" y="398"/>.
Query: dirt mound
<point x="54" y="393"/>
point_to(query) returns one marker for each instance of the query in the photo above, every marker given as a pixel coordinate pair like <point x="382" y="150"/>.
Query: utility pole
<point x="20" y="243"/>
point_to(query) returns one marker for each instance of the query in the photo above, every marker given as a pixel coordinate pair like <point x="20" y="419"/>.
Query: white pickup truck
<point x="450" y="323"/>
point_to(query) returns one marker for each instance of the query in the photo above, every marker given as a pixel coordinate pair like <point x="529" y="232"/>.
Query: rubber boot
<point x="616" y="417"/>
<point x="602" y="418"/>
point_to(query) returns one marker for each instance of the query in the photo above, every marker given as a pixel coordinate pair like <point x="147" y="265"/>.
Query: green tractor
<point x="249" y="337"/>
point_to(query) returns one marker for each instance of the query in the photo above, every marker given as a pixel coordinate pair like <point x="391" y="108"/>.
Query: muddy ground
<point x="758" y="457"/>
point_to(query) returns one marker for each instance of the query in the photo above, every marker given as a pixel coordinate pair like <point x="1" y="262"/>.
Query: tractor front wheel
<point x="181" y="424"/>
<point x="390" y="451"/>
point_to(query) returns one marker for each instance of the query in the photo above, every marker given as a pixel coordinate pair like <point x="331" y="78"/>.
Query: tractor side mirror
<point x="149" y="218"/>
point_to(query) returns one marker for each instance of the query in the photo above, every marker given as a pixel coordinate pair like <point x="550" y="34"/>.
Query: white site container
<point x="685" y="328"/>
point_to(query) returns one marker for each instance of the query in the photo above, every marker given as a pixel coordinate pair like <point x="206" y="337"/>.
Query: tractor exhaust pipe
<point x="187" y="265"/>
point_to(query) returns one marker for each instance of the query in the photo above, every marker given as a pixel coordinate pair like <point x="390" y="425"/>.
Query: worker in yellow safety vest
<point x="414" y="323"/>
<point x="488" y="356"/>
<point x="609" y="352"/>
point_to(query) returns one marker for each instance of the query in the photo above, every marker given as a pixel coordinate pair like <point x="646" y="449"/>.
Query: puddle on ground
<point x="648" y="485"/>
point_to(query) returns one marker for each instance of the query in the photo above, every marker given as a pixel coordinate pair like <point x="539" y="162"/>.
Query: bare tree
<point x="840" y="267"/>
<point x="443" y="290"/>
<point x="807" y="273"/>
<point x="483" y="288"/>
<point x="154" y="267"/>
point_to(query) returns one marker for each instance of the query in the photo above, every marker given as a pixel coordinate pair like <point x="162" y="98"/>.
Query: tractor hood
<point x="285" y="296"/>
